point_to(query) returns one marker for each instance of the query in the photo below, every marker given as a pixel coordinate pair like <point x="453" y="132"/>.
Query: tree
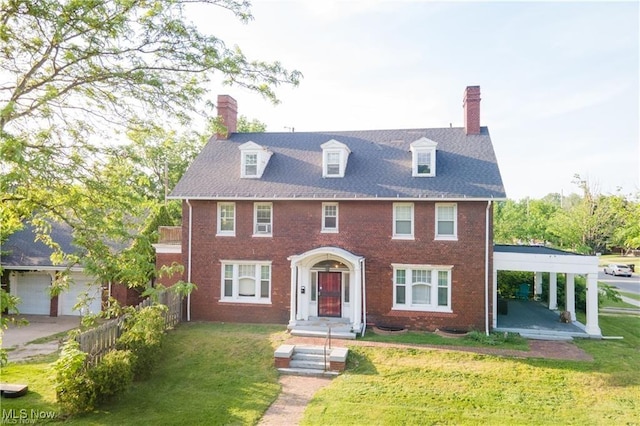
<point x="250" y="126"/>
<point x="78" y="75"/>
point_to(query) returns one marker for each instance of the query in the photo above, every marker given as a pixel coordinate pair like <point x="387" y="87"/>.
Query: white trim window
<point x="249" y="164"/>
<point x="226" y="219"/>
<point x="262" y="219"/>
<point x="446" y="221"/>
<point x="329" y="217"/>
<point x="403" y="221"/>
<point x="246" y="281"/>
<point x="423" y="163"/>
<point x="334" y="159"/>
<point x="422" y="288"/>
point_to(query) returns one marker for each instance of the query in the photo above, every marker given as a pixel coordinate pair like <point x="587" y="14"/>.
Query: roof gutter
<point x="486" y="269"/>
<point x="189" y="257"/>
<point x="334" y="198"/>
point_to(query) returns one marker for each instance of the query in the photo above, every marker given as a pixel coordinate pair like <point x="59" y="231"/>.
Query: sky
<point x="559" y="80"/>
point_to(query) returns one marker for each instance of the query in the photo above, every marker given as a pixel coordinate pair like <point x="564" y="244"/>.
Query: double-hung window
<point x="446" y="221"/>
<point x="403" y="220"/>
<point x="329" y="217"/>
<point x="422" y="288"/>
<point x="250" y="164"/>
<point x="262" y="219"/>
<point x="246" y="282"/>
<point x="226" y="219"/>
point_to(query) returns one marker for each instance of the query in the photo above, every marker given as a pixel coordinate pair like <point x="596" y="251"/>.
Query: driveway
<point x="17" y="337"/>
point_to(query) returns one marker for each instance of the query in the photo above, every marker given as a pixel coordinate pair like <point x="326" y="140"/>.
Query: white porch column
<point x="538" y="285"/>
<point x="494" y="319"/>
<point x="553" y="291"/>
<point x="356" y="303"/>
<point x="293" y="308"/>
<point x="570" y="295"/>
<point x="592" y="326"/>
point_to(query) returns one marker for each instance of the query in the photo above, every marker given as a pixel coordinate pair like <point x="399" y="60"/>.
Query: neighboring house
<point x="388" y="227"/>
<point x="27" y="272"/>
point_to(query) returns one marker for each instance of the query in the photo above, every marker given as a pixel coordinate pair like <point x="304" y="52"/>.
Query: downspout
<point x="486" y="270"/>
<point x="364" y="297"/>
<point x="189" y="259"/>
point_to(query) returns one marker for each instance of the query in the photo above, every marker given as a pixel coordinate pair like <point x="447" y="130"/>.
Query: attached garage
<point x="84" y="287"/>
<point x="33" y="290"/>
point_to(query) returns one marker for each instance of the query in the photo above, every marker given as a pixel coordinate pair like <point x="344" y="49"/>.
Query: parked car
<point x="616" y="269"/>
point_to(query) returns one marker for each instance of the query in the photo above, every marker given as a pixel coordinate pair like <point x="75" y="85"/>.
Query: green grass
<point x="223" y="374"/>
<point x="412" y="386"/>
<point x="209" y="374"/>
<point x="512" y="341"/>
<point x="606" y="259"/>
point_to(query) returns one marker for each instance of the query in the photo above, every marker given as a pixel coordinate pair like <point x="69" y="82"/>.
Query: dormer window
<point x="423" y="157"/>
<point x="334" y="158"/>
<point x="254" y="159"/>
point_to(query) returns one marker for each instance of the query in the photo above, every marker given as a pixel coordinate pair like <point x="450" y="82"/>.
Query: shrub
<point x="112" y="375"/>
<point x="75" y="391"/>
<point x="494" y="338"/>
<point x="143" y="336"/>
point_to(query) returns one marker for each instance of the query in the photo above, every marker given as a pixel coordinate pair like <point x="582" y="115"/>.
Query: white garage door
<point x="33" y="291"/>
<point x="69" y="298"/>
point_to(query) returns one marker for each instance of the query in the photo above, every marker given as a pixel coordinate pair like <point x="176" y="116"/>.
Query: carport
<point x="540" y="259"/>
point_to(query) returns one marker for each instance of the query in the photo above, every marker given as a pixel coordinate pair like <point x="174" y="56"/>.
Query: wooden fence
<point x="100" y="340"/>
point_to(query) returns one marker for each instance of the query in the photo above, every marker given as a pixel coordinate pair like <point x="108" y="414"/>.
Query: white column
<point x="538" y="285"/>
<point x="292" y="304"/>
<point x="494" y="319"/>
<point x="570" y="296"/>
<point x="553" y="291"/>
<point x="592" y="326"/>
<point x="356" y="302"/>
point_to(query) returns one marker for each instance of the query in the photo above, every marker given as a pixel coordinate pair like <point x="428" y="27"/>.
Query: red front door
<point x="329" y="289"/>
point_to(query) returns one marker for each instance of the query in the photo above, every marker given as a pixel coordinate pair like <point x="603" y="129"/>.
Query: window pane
<point x="345" y="285"/>
<point x="403" y="227"/>
<point x="445" y="228"/>
<point x="443" y="296"/>
<point x="314" y="286"/>
<point x="446" y="213"/>
<point x="401" y="276"/>
<point x="265" y="272"/>
<point x="228" y="271"/>
<point x="247" y="271"/>
<point x="247" y="287"/>
<point x="228" y="288"/>
<point x="403" y="213"/>
<point x="330" y="210"/>
<point x="226" y="217"/>
<point x="329" y="222"/>
<point x="333" y="163"/>
<point x="420" y="294"/>
<point x="421" y="276"/>
<point x="263" y="214"/>
<point x="400" y="295"/>
<point x="264" y="289"/>
<point x="251" y="164"/>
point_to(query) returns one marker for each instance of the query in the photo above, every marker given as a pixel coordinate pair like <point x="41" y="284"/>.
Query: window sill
<point x="442" y="310"/>
<point x="446" y="238"/>
<point x="246" y="301"/>
<point x="329" y="231"/>
<point x="225" y="234"/>
<point x="403" y="237"/>
<point x="262" y="235"/>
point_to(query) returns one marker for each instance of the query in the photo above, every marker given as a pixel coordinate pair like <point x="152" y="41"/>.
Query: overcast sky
<point x="559" y="80"/>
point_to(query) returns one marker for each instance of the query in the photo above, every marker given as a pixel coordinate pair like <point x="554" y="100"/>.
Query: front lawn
<point x="411" y="386"/>
<point x="223" y="374"/>
<point x="209" y="374"/>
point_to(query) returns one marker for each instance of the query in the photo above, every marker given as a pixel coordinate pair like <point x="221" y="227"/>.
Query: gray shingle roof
<point x="379" y="166"/>
<point x="21" y="249"/>
<point x="506" y="248"/>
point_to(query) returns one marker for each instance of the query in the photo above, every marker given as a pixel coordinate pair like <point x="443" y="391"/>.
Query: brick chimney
<point x="228" y="113"/>
<point x="471" y="105"/>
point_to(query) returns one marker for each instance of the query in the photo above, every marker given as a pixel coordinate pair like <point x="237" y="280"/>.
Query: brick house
<point x="385" y="227"/>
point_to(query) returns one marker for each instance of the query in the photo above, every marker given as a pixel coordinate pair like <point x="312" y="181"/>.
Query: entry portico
<point x="327" y="282"/>
<point x="539" y="259"/>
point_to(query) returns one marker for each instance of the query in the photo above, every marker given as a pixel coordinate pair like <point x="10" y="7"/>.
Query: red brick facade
<point x="365" y="229"/>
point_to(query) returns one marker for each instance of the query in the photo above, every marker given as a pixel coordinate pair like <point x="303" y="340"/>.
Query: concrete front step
<point x="343" y="335"/>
